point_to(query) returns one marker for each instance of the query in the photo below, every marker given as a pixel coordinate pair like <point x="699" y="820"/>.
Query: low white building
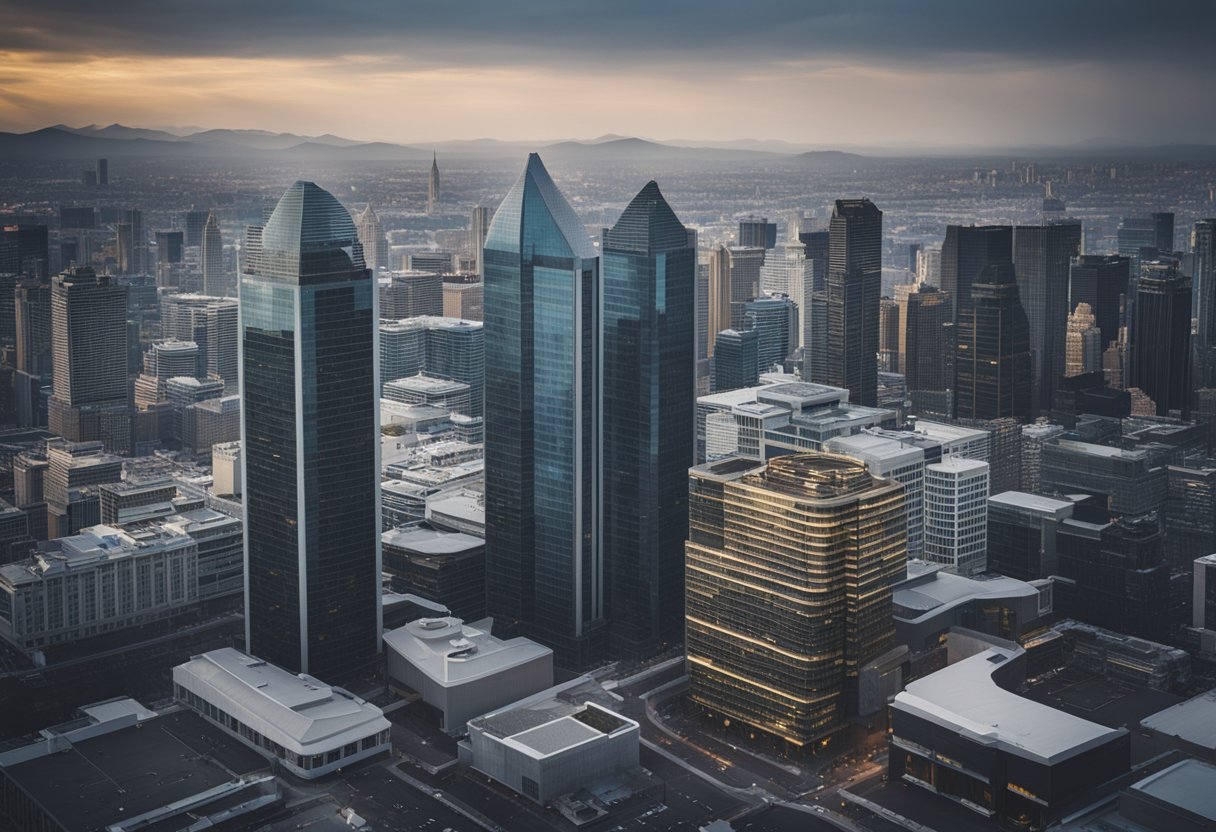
<point x="462" y="671"/>
<point x="544" y="748"/>
<point x="308" y="726"/>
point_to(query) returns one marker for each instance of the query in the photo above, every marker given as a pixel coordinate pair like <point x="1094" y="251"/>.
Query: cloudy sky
<point x="828" y="72"/>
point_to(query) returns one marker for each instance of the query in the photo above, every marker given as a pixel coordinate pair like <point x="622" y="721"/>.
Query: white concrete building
<point x="544" y="748"/>
<point x="956" y="514"/>
<point x="462" y="671"/>
<point x="973" y="443"/>
<point x="308" y="726"/>
<point x="892" y="460"/>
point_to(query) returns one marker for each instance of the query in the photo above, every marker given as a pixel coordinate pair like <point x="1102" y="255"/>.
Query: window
<point x="530" y="788"/>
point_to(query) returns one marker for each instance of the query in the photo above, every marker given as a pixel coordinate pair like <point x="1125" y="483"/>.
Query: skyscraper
<point x="1163" y="231"/>
<point x="1083" y="343"/>
<point x="888" y="336"/>
<point x="757" y="232"/>
<point x="956" y="514"/>
<point x="213" y="259"/>
<point x="1203" y="292"/>
<point x="926" y="329"/>
<point x="432" y="185"/>
<point x="89" y="399"/>
<point x="992" y="364"/>
<point x="1101" y="282"/>
<point x="132" y="244"/>
<point x="544" y="560"/>
<point x="103" y="171"/>
<point x="736" y="359"/>
<point x="375" y="245"/>
<point x="195" y="222"/>
<point x="775" y="321"/>
<point x="854" y="283"/>
<point x="789" y="272"/>
<point x="310" y="437"/>
<point x="788" y="592"/>
<point x="1161" y="337"/>
<point x="719" y="295"/>
<point x="649" y="267"/>
<point x="32" y="304"/>
<point x="745" y="265"/>
<point x="965" y="253"/>
<point x="479" y="226"/>
<point x="1042" y="255"/>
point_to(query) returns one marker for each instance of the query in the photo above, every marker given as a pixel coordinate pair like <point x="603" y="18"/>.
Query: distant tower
<point x="853" y="287"/>
<point x="1161" y="337"/>
<point x="479" y="226"/>
<point x="432" y="191"/>
<point x="1083" y="342"/>
<point x="103" y="171"/>
<point x="1042" y="256"/>
<point x="375" y="246"/>
<point x="213" y="258"/>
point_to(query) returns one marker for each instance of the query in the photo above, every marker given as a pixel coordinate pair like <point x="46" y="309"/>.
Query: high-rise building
<point x="854" y="283"/>
<point x="32" y="307"/>
<point x="649" y="268"/>
<point x="956" y="514"/>
<point x="966" y="252"/>
<point x="1190" y="510"/>
<point x="926" y="348"/>
<point x="744" y="264"/>
<point x="757" y="232"/>
<point x="775" y="320"/>
<point x="410" y="294"/>
<point x="375" y="244"/>
<point x="132" y="244"/>
<point x="1042" y="255"/>
<point x="1161" y="337"/>
<point x="1203" y="292"/>
<point x="788" y="272"/>
<point x="212" y="324"/>
<point x="992" y="364"/>
<point x="195" y="222"/>
<point x="1163" y="231"/>
<point x="432" y="185"/>
<point x="788" y="589"/>
<point x="1101" y="282"/>
<point x="479" y="226"/>
<point x="719" y="316"/>
<point x="310" y="439"/>
<point x="24" y="251"/>
<point x="816" y="245"/>
<point x="1130" y="483"/>
<point x="1022" y="534"/>
<point x="544" y="561"/>
<point x="888" y="336"/>
<point x="464" y="297"/>
<point x="89" y="398"/>
<point x="1082" y="342"/>
<point x="892" y="460"/>
<point x="214" y="282"/>
<point x="929" y="267"/>
<point x="736" y="359"/>
<point x="103" y="171"/>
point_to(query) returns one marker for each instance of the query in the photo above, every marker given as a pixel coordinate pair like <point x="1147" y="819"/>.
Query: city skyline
<point x="926" y="67"/>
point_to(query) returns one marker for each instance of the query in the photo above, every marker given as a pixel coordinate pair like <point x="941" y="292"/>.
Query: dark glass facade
<point x="310" y="439"/>
<point x="992" y="362"/>
<point x="649" y="268"/>
<point x="1042" y="256"/>
<point x="1161" y="337"/>
<point x="736" y="359"/>
<point x="543" y="545"/>
<point x="854" y="284"/>
<point x="966" y="251"/>
<point x="1100" y="281"/>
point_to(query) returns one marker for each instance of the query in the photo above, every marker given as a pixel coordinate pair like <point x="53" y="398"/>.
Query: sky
<point x="895" y="73"/>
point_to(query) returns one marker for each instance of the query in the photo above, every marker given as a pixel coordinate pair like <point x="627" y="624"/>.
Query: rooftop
<point x="543" y="725"/>
<point x="957" y="464"/>
<point x="1188" y="784"/>
<point x="930" y="590"/>
<point x="422" y="383"/>
<point x="1193" y="720"/>
<point x="451" y="652"/>
<point x="964" y="698"/>
<point x="1031" y="502"/>
<point x="426" y="541"/>
<point x="91" y="546"/>
<point x="948" y="433"/>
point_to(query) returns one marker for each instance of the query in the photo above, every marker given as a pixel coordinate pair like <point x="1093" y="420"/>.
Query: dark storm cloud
<point x="539" y="31"/>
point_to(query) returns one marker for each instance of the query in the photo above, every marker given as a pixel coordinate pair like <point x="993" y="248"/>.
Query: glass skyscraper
<point x="854" y="284"/>
<point x="311" y="439"/>
<point x="544" y="567"/>
<point x="649" y="267"/>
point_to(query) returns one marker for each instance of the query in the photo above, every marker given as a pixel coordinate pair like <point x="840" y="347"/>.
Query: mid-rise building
<point x="1083" y="342"/>
<point x="815" y="542"/>
<point x="1128" y="481"/>
<point x="1034" y="437"/>
<point x="736" y="359"/>
<point x="956" y="514"/>
<point x="375" y="244"/>
<point x="411" y="293"/>
<point x="1190" y="510"/>
<point x="1022" y="534"/>
<point x="889" y="459"/>
<point x="448" y="568"/>
<point x="464" y="297"/>
<point x="435" y="392"/>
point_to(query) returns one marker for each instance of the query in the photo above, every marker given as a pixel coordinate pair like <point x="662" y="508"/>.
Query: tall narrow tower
<point x="432" y="188"/>
<point x="375" y="246"/>
<point x="310" y="431"/>
<point x="854" y="284"/>
<point x="544" y="568"/>
<point x="213" y="258"/>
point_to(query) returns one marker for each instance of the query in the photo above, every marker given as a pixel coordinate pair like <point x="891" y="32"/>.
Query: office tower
<point x="1101" y="282"/>
<point x="649" y="267"/>
<point x="1022" y="534"/>
<point x="544" y="563"/>
<point x="1042" y="255"/>
<point x="463" y="297"/>
<point x="1163" y="231"/>
<point x="32" y="315"/>
<point x="775" y="321"/>
<point x="163" y="361"/>
<point x="1203" y="605"/>
<point x="789" y="272"/>
<point x="103" y="171"/>
<point x="24" y="251"/>
<point x="914" y="250"/>
<point x="440" y="262"/>
<point x="993" y="364"/>
<point x="214" y="283"/>
<point x="929" y="267"/>
<point x="744" y="268"/>
<point x="77" y="217"/>
<point x="854" y="283"/>
<point x="757" y="232"/>
<point x="816" y="244"/>
<point x="736" y="359"/>
<point x="88" y="354"/>
<point x="1190" y="510"/>
<point x="892" y="460"/>
<point x="195" y="222"/>
<point x="73" y="471"/>
<point x="1203" y="292"/>
<point x="432" y="185"/>
<point x="375" y="244"/>
<point x="926" y="348"/>
<point x="1130" y="483"/>
<point x="132" y="245"/>
<point x="1082" y="342"/>
<point x="888" y="336"/>
<point x="956" y="514"/>
<point x="1115" y="575"/>
<point x="310" y="438"/>
<point x="1134" y="234"/>
<point x="966" y="252"/>
<point x="479" y="226"/>
<point x="169" y="245"/>
<point x="1161" y="337"/>
<point x="788" y="574"/>
<point x="410" y="294"/>
<point x="212" y="324"/>
<point x="719" y="317"/>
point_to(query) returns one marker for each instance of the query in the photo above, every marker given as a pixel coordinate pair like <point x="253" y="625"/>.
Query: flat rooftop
<point x="135" y="770"/>
<point x="958" y="464"/>
<point x="421" y="383"/>
<point x="948" y="433"/>
<point x="964" y="698"/>
<point x="452" y="653"/>
<point x="1189" y="785"/>
<point x="1031" y="502"/>
<point x="1193" y="720"/>
<point x="430" y="542"/>
<point x="542" y="726"/>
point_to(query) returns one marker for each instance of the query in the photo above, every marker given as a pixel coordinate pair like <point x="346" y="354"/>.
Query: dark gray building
<point x="854" y="284"/>
<point x="1042" y="256"/>
<point x="966" y="251"/>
